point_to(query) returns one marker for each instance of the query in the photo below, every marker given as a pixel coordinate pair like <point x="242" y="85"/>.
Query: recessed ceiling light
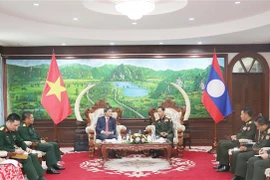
<point x="237" y="2"/>
<point x="112" y="43"/>
<point x="161" y="43"/>
<point x="134" y="23"/>
<point x="191" y="19"/>
<point x="36" y="4"/>
<point x="75" y="19"/>
<point x="200" y="42"/>
<point x="63" y="44"/>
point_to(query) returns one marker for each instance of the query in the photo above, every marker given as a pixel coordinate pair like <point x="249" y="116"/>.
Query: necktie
<point x="107" y="124"/>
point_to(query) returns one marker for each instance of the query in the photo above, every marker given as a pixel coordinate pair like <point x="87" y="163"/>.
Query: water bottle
<point x="127" y="136"/>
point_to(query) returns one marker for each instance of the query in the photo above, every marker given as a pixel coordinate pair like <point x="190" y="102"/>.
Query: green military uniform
<point x="28" y="133"/>
<point x="240" y="159"/>
<point x="31" y="166"/>
<point x="165" y="125"/>
<point x="247" y="131"/>
<point x="256" y="167"/>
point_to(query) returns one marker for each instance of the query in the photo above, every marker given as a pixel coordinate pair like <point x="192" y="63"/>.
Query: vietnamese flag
<point x="215" y="97"/>
<point x="54" y="96"/>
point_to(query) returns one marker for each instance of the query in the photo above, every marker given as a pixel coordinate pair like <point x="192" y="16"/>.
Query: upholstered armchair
<point x="92" y="116"/>
<point x="177" y="116"/>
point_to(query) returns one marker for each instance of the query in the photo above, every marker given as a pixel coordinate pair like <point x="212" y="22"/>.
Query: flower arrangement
<point x="137" y="138"/>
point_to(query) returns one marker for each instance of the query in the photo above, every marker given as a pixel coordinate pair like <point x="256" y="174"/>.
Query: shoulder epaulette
<point x="2" y="128"/>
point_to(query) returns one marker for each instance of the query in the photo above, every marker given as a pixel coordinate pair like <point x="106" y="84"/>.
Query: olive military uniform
<point x="165" y="125"/>
<point x="247" y="131"/>
<point x="31" y="166"/>
<point x="256" y="167"/>
<point x="28" y="133"/>
<point x="239" y="159"/>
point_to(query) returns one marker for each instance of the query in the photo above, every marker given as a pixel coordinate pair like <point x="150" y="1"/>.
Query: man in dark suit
<point x="106" y="126"/>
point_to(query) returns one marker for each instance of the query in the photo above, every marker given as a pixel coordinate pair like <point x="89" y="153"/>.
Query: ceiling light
<point x="237" y="2"/>
<point x="36" y="4"/>
<point x="161" y="43"/>
<point x="200" y="42"/>
<point x="63" y="44"/>
<point x="134" y="23"/>
<point x="112" y="43"/>
<point x="191" y="19"/>
<point x="75" y="19"/>
<point x="135" y="9"/>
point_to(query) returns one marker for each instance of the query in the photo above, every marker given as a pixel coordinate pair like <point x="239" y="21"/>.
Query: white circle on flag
<point x="215" y="88"/>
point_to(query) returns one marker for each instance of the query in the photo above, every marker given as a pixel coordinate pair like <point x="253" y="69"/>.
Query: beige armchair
<point x="92" y="116"/>
<point x="177" y="116"/>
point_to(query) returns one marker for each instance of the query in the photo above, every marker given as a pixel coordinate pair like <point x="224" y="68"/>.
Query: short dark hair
<point x="247" y="110"/>
<point x="13" y="117"/>
<point x="261" y="120"/>
<point x="107" y="109"/>
<point x="26" y="114"/>
<point x="162" y="108"/>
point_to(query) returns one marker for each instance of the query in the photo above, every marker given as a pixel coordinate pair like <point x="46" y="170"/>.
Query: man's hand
<point x="262" y="151"/>
<point x="28" y="150"/>
<point x="43" y="141"/>
<point x="9" y="154"/>
<point x="243" y="148"/>
<point x="19" y="151"/>
<point x="233" y="137"/>
<point x="264" y="155"/>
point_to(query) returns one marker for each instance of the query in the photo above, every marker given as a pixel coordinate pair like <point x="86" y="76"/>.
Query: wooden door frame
<point x="265" y="67"/>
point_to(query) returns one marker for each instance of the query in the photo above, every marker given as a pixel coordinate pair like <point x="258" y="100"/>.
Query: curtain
<point x="1" y="93"/>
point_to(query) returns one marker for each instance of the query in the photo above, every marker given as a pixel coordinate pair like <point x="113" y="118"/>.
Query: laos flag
<point x="215" y="97"/>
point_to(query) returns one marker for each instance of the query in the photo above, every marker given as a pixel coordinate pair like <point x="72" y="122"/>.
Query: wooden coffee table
<point x="124" y="146"/>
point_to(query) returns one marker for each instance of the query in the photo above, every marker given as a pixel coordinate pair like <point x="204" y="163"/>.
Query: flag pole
<point x="214" y="145"/>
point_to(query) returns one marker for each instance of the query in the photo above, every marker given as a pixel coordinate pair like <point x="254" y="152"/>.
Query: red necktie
<point x="107" y="124"/>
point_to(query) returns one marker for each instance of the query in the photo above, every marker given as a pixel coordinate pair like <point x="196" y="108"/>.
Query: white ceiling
<point x="51" y="24"/>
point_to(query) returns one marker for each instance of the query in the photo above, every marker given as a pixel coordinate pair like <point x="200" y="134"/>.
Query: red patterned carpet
<point x="194" y="165"/>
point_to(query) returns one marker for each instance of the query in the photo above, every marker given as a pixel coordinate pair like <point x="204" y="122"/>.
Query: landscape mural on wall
<point x="134" y="85"/>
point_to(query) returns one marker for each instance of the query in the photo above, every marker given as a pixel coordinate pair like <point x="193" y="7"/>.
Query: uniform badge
<point x="249" y="122"/>
<point x="248" y="128"/>
<point x="2" y="128"/>
<point x="244" y="128"/>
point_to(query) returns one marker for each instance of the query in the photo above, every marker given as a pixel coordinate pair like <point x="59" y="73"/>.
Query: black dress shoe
<point x="223" y="169"/>
<point x="155" y="155"/>
<point x="52" y="171"/>
<point x="217" y="167"/>
<point x="117" y="156"/>
<point x="56" y="167"/>
<point x="236" y="178"/>
<point x="42" y="178"/>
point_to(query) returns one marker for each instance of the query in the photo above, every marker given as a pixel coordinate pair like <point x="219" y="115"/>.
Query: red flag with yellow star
<point x="54" y="96"/>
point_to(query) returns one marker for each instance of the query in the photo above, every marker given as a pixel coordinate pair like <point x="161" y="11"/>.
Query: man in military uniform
<point x="247" y="131"/>
<point x="28" y="133"/>
<point x="257" y="165"/>
<point x="241" y="157"/>
<point x="164" y="127"/>
<point x="9" y="138"/>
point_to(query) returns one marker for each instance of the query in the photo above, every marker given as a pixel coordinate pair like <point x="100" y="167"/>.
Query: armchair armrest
<point x="121" y="130"/>
<point x="151" y="129"/>
<point x="90" y="130"/>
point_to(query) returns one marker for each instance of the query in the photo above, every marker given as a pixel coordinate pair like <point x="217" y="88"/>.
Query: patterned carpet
<point x="196" y="164"/>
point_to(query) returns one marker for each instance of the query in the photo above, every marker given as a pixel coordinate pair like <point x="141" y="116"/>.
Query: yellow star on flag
<point x="56" y="88"/>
